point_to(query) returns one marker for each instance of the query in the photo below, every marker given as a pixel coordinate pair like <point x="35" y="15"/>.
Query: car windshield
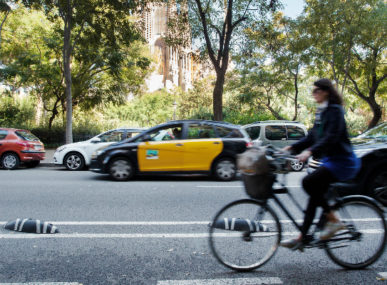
<point x="379" y="132"/>
<point x="27" y="136"/>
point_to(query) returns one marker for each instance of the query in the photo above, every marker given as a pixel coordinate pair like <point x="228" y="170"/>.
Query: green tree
<point x="349" y="41"/>
<point x="218" y="24"/>
<point x="107" y="19"/>
<point x="101" y="72"/>
<point x="270" y="68"/>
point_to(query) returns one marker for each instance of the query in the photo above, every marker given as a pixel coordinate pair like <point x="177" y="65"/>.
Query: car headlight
<point x="61" y="148"/>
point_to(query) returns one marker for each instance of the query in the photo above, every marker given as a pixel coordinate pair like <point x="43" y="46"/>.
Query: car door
<point x="276" y="135"/>
<point x="200" y="147"/>
<point x="163" y="151"/>
<point x="3" y="135"/>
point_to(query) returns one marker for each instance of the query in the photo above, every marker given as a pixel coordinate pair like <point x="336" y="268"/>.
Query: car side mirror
<point x="146" y="138"/>
<point x="96" y="140"/>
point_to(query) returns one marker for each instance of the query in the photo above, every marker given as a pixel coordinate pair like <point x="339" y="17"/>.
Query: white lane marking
<point x="234" y="186"/>
<point x="233" y="281"/>
<point x="43" y="283"/>
<point x="161" y="235"/>
<point x="382" y="276"/>
<point x="164" y="223"/>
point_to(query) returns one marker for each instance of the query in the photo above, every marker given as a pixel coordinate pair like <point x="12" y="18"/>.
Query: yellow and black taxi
<point x="185" y="146"/>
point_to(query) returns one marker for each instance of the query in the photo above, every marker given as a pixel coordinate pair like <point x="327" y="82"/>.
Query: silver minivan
<point x="278" y="134"/>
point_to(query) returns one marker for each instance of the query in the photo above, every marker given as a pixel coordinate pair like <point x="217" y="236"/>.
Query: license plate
<point x="38" y="147"/>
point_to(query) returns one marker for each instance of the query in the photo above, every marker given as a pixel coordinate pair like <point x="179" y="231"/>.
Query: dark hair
<point x="326" y="85"/>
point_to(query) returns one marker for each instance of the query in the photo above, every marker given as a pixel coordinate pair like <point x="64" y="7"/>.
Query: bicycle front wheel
<point x="245" y="234"/>
<point x="363" y="240"/>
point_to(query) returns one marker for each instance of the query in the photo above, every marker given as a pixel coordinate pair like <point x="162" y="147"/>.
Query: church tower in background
<point x="175" y="64"/>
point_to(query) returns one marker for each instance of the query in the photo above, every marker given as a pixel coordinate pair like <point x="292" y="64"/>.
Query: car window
<point x="295" y="133"/>
<point x="27" y="136"/>
<point x="225" y="132"/>
<point x="132" y="134"/>
<point x="379" y="132"/>
<point x="3" y="134"/>
<point x="275" y="133"/>
<point x="168" y="133"/>
<point x="197" y="131"/>
<point x="112" y="136"/>
<point x="253" y="132"/>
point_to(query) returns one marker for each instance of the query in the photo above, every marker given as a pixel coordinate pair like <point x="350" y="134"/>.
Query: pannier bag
<point x="256" y="175"/>
<point x="238" y="224"/>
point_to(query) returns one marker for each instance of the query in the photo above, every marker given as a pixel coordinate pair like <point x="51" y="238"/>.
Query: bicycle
<point x="245" y="234"/>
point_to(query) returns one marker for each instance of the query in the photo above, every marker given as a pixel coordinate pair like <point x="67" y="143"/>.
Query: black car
<point x="371" y="147"/>
<point x="186" y="146"/>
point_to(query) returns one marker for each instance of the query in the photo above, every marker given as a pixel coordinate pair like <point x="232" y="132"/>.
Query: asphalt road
<point x="148" y="231"/>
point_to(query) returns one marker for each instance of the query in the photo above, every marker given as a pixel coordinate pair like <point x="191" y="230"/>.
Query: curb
<point x="48" y="164"/>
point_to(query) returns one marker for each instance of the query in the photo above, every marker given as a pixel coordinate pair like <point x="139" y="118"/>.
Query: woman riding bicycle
<point x="327" y="140"/>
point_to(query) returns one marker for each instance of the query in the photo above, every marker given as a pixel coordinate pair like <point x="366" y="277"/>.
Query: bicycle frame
<point x="285" y="190"/>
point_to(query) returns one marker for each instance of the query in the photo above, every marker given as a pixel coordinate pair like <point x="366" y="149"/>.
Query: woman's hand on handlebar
<point x="287" y="148"/>
<point x="303" y="156"/>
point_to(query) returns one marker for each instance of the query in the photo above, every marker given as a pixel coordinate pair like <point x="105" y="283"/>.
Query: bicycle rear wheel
<point x="245" y="234"/>
<point x="364" y="239"/>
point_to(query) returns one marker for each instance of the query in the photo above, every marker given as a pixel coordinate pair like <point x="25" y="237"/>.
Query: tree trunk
<point x="295" y="97"/>
<point x="376" y="110"/>
<point x="67" y="72"/>
<point x="218" y="96"/>
<point x="1" y="25"/>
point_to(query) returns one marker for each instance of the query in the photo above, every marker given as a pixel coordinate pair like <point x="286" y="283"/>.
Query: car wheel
<point x="297" y="165"/>
<point x="32" y="164"/>
<point x="378" y="185"/>
<point x="121" y="169"/>
<point x="10" y="161"/>
<point x="225" y="169"/>
<point x="74" y="161"/>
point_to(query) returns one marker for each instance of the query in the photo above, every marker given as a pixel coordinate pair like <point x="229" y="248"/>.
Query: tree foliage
<point x="218" y="25"/>
<point x="349" y="43"/>
<point x="101" y="71"/>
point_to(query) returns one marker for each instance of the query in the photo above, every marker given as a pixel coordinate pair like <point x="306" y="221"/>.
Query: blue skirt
<point x="343" y="167"/>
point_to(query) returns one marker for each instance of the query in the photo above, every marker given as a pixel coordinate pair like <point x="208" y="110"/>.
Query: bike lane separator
<point x="43" y="283"/>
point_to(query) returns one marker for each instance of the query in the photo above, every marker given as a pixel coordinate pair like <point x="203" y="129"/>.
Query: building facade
<point x="174" y="64"/>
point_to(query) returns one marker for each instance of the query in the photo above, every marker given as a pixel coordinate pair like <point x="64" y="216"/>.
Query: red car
<point x="19" y="146"/>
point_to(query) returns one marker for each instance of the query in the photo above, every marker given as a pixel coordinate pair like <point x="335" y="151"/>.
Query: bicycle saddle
<point x="344" y="188"/>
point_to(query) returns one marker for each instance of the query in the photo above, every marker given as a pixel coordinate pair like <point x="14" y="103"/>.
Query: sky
<point x="293" y="8"/>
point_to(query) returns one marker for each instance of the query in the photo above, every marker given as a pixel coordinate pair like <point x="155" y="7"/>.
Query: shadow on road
<point x="165" y="177"/>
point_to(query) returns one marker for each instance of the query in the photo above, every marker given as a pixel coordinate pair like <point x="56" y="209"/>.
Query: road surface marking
<point x="166" y="223"/>
<point x="43" y="283"/>
<point x="159" y="235"/>
<point x="234" y="281"/>
<point x="382" y="276"/>
<point x="234" y="186"/>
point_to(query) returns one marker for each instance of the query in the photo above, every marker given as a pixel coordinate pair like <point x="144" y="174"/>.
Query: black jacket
<point x="329" y="137"/>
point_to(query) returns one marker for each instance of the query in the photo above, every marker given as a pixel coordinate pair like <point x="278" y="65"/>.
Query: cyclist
<point x="329" y="140"/>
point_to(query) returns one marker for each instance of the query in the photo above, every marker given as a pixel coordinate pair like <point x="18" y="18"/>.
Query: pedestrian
<point x="329" y="141"/>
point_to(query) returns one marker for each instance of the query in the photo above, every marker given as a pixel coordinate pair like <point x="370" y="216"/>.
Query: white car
<point x="76" y="156"/>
